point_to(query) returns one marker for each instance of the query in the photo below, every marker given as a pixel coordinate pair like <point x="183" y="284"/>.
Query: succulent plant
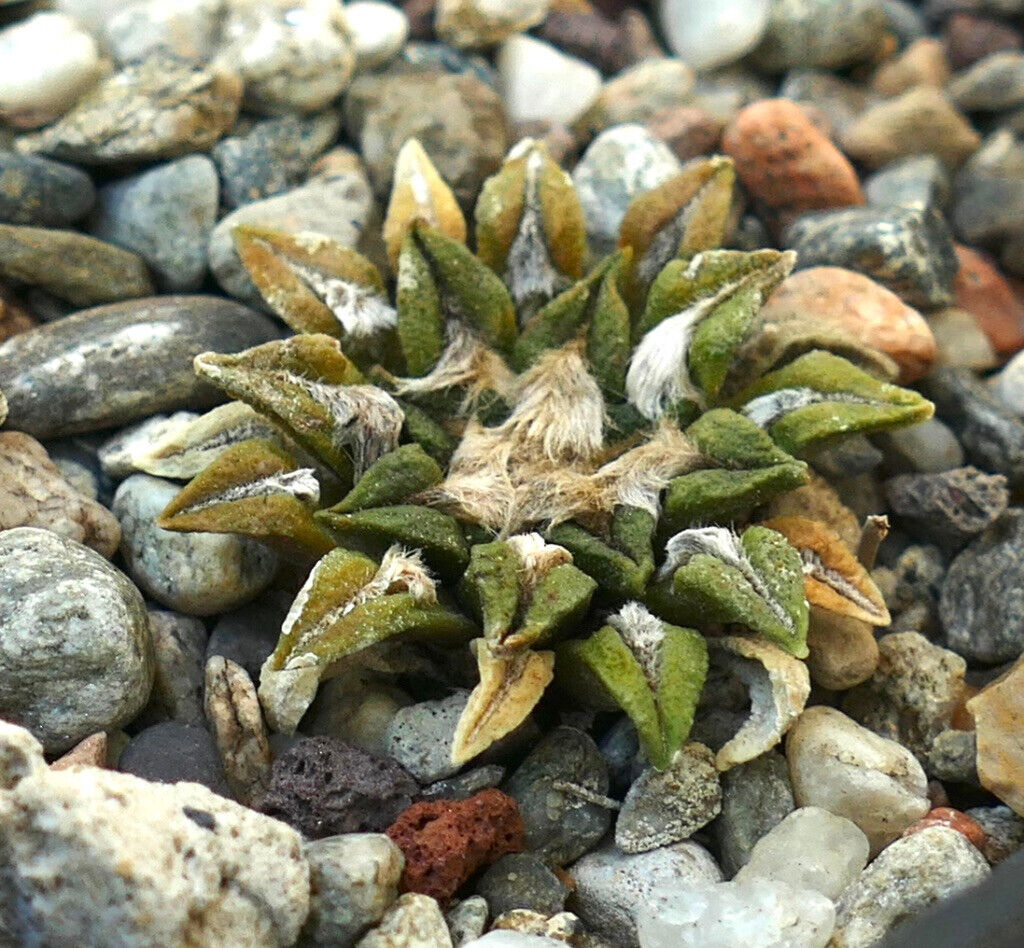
<point x="556" y="461"/>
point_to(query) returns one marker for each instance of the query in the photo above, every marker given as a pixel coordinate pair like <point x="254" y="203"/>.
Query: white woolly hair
<point x="765" y="410"/>
<point x="538" y="558"/>
<point x="559" y="413"/>
<point x="643" y="633"/>
<point x="361" y="310"/>
<point x="467" y="362"/>
<point x="301" y="484"/>
<point x="815" y="567"/>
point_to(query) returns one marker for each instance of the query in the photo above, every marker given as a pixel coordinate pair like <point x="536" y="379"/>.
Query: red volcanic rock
<point x="446" y="841"/>
<point x="987" y="295"/>
<point x="952" y="819"/>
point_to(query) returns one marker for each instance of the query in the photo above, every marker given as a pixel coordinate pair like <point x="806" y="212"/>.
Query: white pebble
<point x="378" y="31"/>
<point x="713" y="33"/>
<point x="541" y="84"/>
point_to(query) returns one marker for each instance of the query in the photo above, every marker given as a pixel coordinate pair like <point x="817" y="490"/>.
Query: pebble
<point x="953" y="757"/>
<point x="715" y="33"/>
<point x="188" y="29"/>
<point x="1008" y="385"/>
<point x="986" y="294"/>
<point x="512" y="939"/>
<point x="787" y="164"/>
<point x="112" y="364"/>
<point x="459" y="119"/>
<point x="928" y="447"/>
<point x="844" y="768"/>
<point x="420" y="737"/>
<point x="411" y="921"/>
<point x="997" y="710"/>
<point x="165" y="215"/>
<point x="173" y="751"/>
<point x="584" y="32"/>
<point x="522" y="881"/>
<point x="293" y="56"/>
<point x="869" y="312"/>
<point x="989" y="191"/>
<point x="353" y="880"/>
<point x="76" y="655"/>
<point x="72" y="266"/>
<point x="756" y="796"/>
<point x="560" y="824"/>
<point x="540" y="83"/>
<point x="922" y="63"/>
<point x="471" y="24"/>
<point x="195" y="573"/>
<point x="179" y="644"/>
<point x="690" y="131"/>
<point x="948" y="508"/>
<point x="906" y="878"/>
<point x="356" y="707"/>
<point x="467" y="920"/>
<point x="249" y="634"/>
<point x="992" y="84"/>
<point x="639" y="94"/>
<point x="811" y="849"/>
<point x="843" y="651"/>
<point x="920" y="179"/>
<point x="236" y="722"/>
<point x="959" y="340"/>
<point x="377" y="31"/>
<point x="91" y="752"/>
<point x="909" y="250"/>
<point x="921" y="121"/>
<point x="49" y="62"/>
<point x="613" y="888"/>
<point x="138" y="862"/>
<point x="336" y="205"/>
<point x="42" y="193"/>
<point x="322" y="787"/>
<point x="819" y="33"/>
<point x="159" y="108"/>
<point x="619" y="165"/>
<point x="829" y="99"/>
<point x="1004" y="831"/>
<point x="954" y="820"/>
<point x="34" y="493"/>
<point x="447" y="841"/>
<point x="665" y="807"/>
<point x="757" y="913"/>
<point x="991" y="433"/>
<point x="970" y="37"/>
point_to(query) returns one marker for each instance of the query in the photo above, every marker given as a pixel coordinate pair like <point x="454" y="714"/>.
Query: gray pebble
<point x="992" y="84"/>
<point x="982" y="600"/>
<point x="41" y="192"/>
<point x="179" y="650"/>
<point x="463" y="786"/>
<point x="989" y="191"/>
<point x="920" y="180"/>
<point x="953" y="757"/>
<point x="421" y="737"/>
<point x="907" y="249"/>
<point x="249" y="634"/>
<point x="113" y="364"/>
<point x="927" y="447"/>
<point x="195" y="573"/>
<point x="171" y="752"/>
<point x="756" y="796"/>
<point x="467" y="920"/>
<point x="1004" y="831"/>
<point x="560" y="823"/>
<point x="620" y="746"/>
<point x="522" y="881"/>
<point x="75" y="654"/>
<point x="165" y="215"/>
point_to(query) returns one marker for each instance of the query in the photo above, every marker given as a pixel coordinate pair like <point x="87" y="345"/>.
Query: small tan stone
<point x="92" y="752"/>
<point x="998" y="711"/>
<point x="233" y="711"/>
<point x="843" y="650"/>
<point x="33" y="493"/>
<point x="922" y="63"/>
<point x="413" y="921"/>
<point x="960" y="341"/>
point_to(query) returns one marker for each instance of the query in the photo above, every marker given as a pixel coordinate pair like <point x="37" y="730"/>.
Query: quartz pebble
<point x="377" y="31"/>
<point x="467" y="920"/>
<point x="411" y="921"/>
<point x="1008" y="385"/>
<point x="759" y="913"/>
<point x="905" y="879"/>
<point x="353" y="880"/>
<point x="844" y="768"/>
<point x="76" y="655"/>
<point x="511" y="939"/>
<point x="539" y="83"/>
<point x="187" y="29"/>
<point x="139" y="862"/>
<point x="809" y="849"/>
<point x="195" y="573"/>
<point x="959" y="340"/>
<point x="613" y="888"/>
<point x="714" y="33"/>
<point x="49" y="62"/>
<point x="179" y="646"/>
<point x="165" y="215"/>
<point x="42" y="193"/>
<point x="33" y="493"/>
<point x="170" y="752"/>
<point x="324" y="787"/>
<point x="997" y="710"/>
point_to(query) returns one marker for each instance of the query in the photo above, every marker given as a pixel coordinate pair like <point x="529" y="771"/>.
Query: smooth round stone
<point x="272" y="155"/>
<point x="989" y="191"/>
<point x="110" y="365"/>
<point x="179" y="649"/>
<point x="186" y="28"/>
<point x="992" y="84"/>
<point x="714" y="32"/>
<point x="420" y="737"/>
<point x="522" y="881"/>
<point x="49" y="61"/>
<point x="337" y="206"/>
<point x="378" y="31"/>
<point x="75" y="654"/>
<point x="171" y="752"/>
<point x="41" y="192"/>
<point x="1008" y="385"/>
<point x="482" y="23"/>
<point x="292" y="56"/>
<point x="356" y="708"/>
<point x="919" y="179"/>
<point x="196" y="573"/>
<point x="165" y="215"/>
<point x="541" y="84"/>
<point x="82" y="270"/>
<point x="620" y="164"/>
<point x="928" y="447"/>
